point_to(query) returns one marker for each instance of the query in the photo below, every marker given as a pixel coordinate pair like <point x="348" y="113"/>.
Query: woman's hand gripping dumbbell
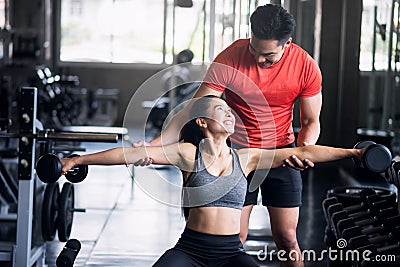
<point x="375" y="157"/>
<point x="49" y="168"/>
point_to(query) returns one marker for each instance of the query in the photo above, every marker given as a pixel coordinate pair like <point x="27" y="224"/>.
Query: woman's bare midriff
<point x="214" y="220"/>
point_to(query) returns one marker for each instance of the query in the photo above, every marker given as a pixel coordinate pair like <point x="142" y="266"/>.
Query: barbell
<point x="63" y="136"/>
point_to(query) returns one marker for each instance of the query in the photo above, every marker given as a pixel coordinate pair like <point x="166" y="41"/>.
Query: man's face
<point x="267" y="52"/>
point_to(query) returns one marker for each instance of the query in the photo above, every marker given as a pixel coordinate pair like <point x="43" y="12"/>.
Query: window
<point x="2" y="13"/>
<point x="136" y="31"/>
<point x="374" y="48"/>
<point x="112" y="31"/>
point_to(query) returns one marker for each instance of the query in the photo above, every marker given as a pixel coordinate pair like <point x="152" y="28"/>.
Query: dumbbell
<point x="367" y="197"/>
<point x="363" y="240"/>
<point x="385" y="227"/>
<point x="392" y="174"/>
<point x="361" y="195"/>
<point x="68" y="253"/>
<point x="373" y="209"/>
<point x="385" y="250"/>
<point x="379" y="218"/>
<point x="49" y="168"/>
<point x="331" y="201"/>
<point x="376" y="157"/>
<point x="350" y="195"/>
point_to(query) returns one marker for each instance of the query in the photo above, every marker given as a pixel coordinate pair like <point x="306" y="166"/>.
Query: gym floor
<point x="124" y="226"/>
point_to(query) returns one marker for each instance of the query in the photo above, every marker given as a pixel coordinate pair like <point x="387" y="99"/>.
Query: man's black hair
<point x="272" y="22"/>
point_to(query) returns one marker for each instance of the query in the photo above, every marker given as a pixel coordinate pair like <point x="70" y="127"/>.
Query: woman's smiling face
<point x="220" y="117"/>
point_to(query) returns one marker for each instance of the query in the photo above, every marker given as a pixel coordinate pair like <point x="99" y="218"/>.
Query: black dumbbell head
<point x="66" y="258"/>
<point x="377" y="158"/>
<point x="48" y="168"/>
<point x="73" y="244"/>
<point x="79" y="175"/>
<point x="361" y="144"/>
<point x="364" y="143"/>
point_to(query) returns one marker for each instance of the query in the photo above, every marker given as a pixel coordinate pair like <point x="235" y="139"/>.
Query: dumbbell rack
<point x="349" y="225"/>
<point x="23" y="253"/>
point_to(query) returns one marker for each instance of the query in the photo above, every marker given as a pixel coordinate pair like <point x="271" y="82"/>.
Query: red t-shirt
<point x="263" y="98"/>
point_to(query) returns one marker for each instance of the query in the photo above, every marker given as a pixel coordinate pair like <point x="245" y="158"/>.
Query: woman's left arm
<point x="265" y="159"/>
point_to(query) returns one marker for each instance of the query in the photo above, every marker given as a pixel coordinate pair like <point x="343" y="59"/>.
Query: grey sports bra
<point x="206" y="190"/>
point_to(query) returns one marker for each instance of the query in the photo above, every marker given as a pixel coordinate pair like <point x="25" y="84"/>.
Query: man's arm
<point x="310" y="109"/>
<point x="171" y="133"/>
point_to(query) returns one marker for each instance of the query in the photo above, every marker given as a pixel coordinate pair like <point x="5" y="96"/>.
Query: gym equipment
<point x="66" y="209"/>
<point x="379" y="217"/>
<point x="78" y="174"/>
<point x="374" y="209"/>
<point x="69" y="253"/>
<point x="50" y="211"/>
<point x="331" y="200"/>
<point x="391" y="249"/>
<point x="385" y="227"/>
<point x="376" y="158"/>
<point x="50" y="134"/>
<point x="351" y="195"/>
<point x="26" y="250"/>
<point x="356" y="211"/>
<point x="363" y="240"/>
<point x="392" y="174"/>
<point x="49" y="168"/>
<point x="342" y="196"/>
<point x="351" y="198"/>
<point x="332" y="204"/>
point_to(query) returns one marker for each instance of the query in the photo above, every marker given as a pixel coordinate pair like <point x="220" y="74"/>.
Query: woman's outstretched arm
<point x="265" y="159"/>
<point x="175" y="154"/>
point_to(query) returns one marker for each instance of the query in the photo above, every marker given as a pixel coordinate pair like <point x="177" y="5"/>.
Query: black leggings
<point x="200" y="249"/>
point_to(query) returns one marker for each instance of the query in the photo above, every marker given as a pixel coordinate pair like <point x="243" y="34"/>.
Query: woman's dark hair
<point x="272" y="22"/>
<point x="191" y="132"/>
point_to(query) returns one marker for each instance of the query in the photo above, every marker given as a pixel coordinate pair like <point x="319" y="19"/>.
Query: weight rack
<point x="22" y="253"/>
<point x="27" y="250"/>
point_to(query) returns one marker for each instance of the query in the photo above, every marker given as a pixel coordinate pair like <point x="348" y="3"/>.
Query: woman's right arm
<point x="177" y="154"/>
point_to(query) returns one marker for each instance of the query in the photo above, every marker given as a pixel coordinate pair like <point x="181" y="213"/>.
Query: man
<point x="282" y="72"/>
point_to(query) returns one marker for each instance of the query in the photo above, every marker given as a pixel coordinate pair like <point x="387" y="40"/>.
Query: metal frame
<point x="25" y="256"/>
<point x="22" y="253"/>
<point x="28" y="249"/>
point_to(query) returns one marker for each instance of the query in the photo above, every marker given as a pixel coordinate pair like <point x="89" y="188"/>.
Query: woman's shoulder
<point x="188" y="150"/>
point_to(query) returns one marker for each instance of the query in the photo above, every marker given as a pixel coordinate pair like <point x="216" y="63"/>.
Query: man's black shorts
<point x="281" y="188"/>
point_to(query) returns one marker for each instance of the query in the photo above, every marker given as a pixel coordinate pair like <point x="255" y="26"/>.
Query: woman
<point x="211" y="236"/>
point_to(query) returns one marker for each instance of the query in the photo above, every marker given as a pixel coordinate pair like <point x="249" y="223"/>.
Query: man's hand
<point x="144" y="161"/>
<point x="296" y="163"/>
